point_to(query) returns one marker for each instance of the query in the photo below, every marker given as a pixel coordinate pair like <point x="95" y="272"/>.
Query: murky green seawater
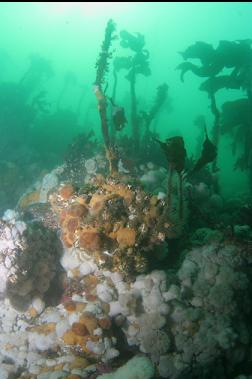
<point x="125" y="190"/>
<point x="67" y="36"/>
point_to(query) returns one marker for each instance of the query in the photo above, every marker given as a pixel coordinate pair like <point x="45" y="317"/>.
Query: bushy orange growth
<point x="79" y="362"/>
<point x="33" y="312"/>
<point x="70" y="338"/>
<point x="70" y="224"/>
<point x="89" y="320"/>
<point x="90" y="239"/>
<point x="90" y="297"/>
<point x="43" y="329"/>
<point x="120" y="190"/>
<point x="79" y="329"/>
<point x="80" y="306"/>
<point x="98" y="180"/>
<point x="81" y="200"/>
<point x="91" y="281"/>
<point x="126" y="237"/>
<point x="77" y="210"/>
<point x="98" y="202"/>
<point x="70" y="306"/>
<point x="66" y="191"/>
<point x="114" y="222"/>
<point x="105" y="323"/>
<point x="68" y="239"/>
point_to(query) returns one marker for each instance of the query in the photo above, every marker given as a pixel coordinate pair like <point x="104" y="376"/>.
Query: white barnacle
<point x="161" y="236"/>
<point x="107" y="253"/>
<point x="143" y="228"/>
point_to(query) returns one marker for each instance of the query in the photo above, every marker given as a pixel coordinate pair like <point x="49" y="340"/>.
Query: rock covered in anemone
<point x="29" y="260"/>
<point x="114" y="223"/>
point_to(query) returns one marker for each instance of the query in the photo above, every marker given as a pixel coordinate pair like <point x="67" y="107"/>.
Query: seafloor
<point x="91" y="280"/>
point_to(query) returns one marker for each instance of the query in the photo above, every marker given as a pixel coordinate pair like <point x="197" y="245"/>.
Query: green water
<point x="69" y="36"/>
<point x="125" y="210"/>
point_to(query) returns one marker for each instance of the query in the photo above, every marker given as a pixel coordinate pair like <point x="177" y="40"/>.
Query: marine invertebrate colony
<point x="29" y="259"/>
<point x="114" y="223"/>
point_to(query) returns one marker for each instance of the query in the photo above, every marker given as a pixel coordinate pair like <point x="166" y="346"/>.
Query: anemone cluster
<point x="118" y="224"/>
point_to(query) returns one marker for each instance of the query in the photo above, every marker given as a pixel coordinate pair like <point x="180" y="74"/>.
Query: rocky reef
<point x="115" y="224"/>
<point x="29" y="261"/>
<point x="79" y="299"/>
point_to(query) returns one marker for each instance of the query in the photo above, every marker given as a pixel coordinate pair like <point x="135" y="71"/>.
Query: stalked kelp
<point x="39" y="71"/>
<point x="119" y="63"/>
<point x="151" y="151"/>
<point x="175" y="153"/>
<point x="208" y="154"/>
<point x="159" y="101"/>
<point x="118" y="116"/>
<point x="23" y="102"/>
<point x="232" y="55"/>
<point x="136" y="64"/>
<point x="236" y="121"/>
<point x="40" y="103"/>
<point x="200" y="123"/>
<point x="102" y="66"/>
<point x="236" y="116"/>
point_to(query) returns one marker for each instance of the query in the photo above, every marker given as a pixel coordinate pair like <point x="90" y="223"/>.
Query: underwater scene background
<point x="125" y="190"/>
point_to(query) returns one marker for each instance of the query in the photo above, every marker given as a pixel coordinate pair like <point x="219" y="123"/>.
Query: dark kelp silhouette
<point x="236" y="120"/>
<point x="136" y="64"/>
<point x="147" y="117"/>
<point x="208" y="154"/>
<point x="118" y="116"/>
<point x="160" y="99"/>
<point x="234" y="55"/>
<point x="39" y="71"/>
<point x="175" y="152"/>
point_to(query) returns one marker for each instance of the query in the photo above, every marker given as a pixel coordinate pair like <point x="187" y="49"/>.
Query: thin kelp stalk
<point x="161" y="97"/>
<point x="247" y="146"/>
<point x="169" y="187"/>
<point x="110" y="151"/>
<point x="136" y="64"/>
<point x="113" y="129"/>
<point x="181" y="196"/>
<point x="171" y="173"/>
<point x="102" y="68"/>
<point x="247" y="132"/>
<point x="134" y="118"/>
<point x="216" y="127"/>
<point x="102" y="107"/>
<point x="249" y="95"/>
<point x="114" y="85"/>
<point x="208" y="153"/>
<point x="175" y="153"/>
<point x="39" y="71"/>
